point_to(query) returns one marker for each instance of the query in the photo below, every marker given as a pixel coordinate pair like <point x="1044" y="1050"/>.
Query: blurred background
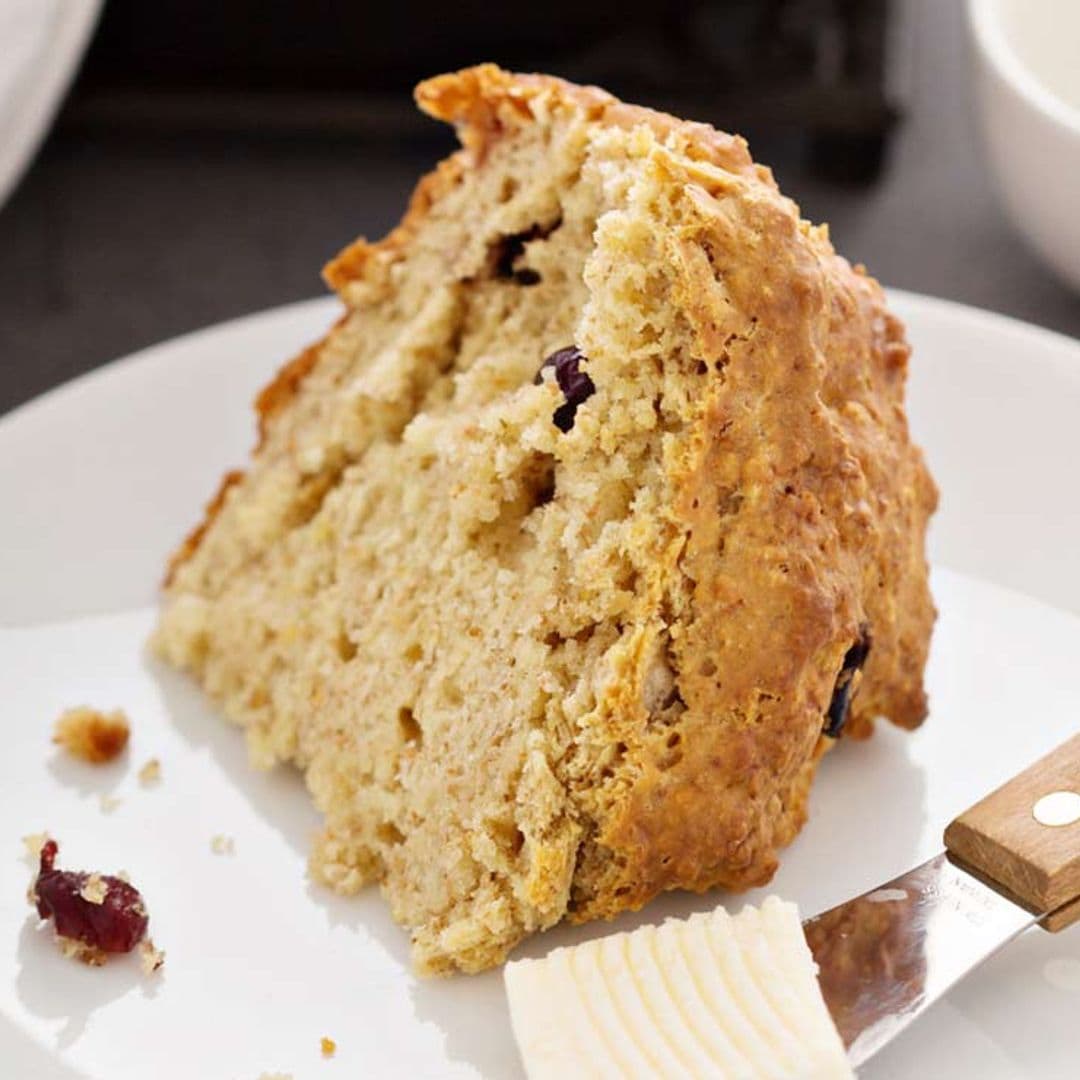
<point x="210" y="156"/>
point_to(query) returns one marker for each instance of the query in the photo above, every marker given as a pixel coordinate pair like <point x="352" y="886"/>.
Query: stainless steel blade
<point x="886" y="956"/>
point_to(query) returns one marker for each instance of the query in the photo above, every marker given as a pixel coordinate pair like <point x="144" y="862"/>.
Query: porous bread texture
<point x="531" y="674"/>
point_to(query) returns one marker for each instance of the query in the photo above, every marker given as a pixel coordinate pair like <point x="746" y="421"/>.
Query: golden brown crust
<point x="484" y="103"/>
<point x="361" y="259"/>
<point x="286" y="383"/>
<point x="189" y="545"/>
<point x="269" y="403"/>
<point x="804" y="510"/>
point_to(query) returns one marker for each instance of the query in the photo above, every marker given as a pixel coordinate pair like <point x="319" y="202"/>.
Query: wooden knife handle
<point x="1024" y="838"/>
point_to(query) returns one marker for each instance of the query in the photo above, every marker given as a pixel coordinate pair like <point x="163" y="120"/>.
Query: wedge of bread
<point x="559" y="557"/>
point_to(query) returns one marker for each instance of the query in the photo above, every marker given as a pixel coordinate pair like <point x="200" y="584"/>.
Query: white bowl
<point x="1028" y="91"/>
<point x="42" y="44"/>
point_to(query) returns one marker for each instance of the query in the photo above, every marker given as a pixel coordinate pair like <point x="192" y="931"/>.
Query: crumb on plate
<point x="33" y="843"/>
<point x="92" y="735"/>
<point x="328" y="1046"/>
<point x="150" y="957"/>
<point x="81" y="951"/>
<point x="150" y="773"/>
<point x="109" y="803"/>
<point x="222" y="845"/>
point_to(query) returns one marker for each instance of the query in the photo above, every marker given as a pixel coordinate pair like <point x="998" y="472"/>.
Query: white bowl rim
<point x="992" y="42"/>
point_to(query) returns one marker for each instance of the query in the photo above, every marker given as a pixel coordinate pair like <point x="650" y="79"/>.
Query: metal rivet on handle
<point x="1057" y="808"/>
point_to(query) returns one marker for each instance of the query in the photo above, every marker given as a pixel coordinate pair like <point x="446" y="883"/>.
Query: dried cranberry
<point x="115" y="925"/>
<point x="846" y="684"/>
<point x="576" y="386"/>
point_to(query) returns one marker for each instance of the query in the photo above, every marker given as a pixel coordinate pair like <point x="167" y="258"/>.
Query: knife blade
<point x="886" y="956"/>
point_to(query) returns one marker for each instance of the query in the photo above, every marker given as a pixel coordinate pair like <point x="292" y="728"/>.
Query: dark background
<point x="211" y="156"/>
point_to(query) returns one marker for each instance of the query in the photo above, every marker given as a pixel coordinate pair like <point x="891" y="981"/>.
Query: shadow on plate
<point x="54" y="987"/>
<point x="87" y="779"/>
<point x="35" y="1060"/>
<point x="278" y="795"/>
<point x="867" y="822"/>
<point x="367" y="913"/>
<point x="281" y="799"/>
<point x="472" y="1013"/>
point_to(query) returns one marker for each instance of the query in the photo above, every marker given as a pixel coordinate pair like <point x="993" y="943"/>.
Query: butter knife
<point x="1010" y="862"/>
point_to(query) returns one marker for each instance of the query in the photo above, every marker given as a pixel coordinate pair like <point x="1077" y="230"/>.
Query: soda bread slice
<point x="560" y="554"/>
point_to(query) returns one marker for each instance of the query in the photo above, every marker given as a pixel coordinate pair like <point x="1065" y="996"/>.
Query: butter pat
<point x="714" y="995"/>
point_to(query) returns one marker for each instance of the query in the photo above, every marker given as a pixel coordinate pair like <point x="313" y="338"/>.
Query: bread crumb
<point x="109" y="803"/>
<point x="150" y="773"/>
<point x="73" y="949"/>
<point x="275" y="1076"/>
<point x="92" y="735"/>
<point x="328" y="1046"/>
<point x="222" y="845"/>
<point x="150" y="957"/>
<point x="94" y="889"/>
<point x="33" y="845"/>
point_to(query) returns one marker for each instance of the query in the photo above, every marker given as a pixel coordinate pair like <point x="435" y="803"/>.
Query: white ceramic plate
<point x="41" y="44"/>
<point x="100" y="477"/>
